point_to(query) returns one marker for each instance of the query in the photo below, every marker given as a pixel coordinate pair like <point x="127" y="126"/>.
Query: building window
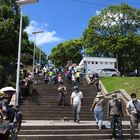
<point x="101" y="62"/>
<point x="111" y="63"/>
<point x="92" y="62"/>
<point x="96" y="62"/>
<point x="106" y="63"/>
<point x="88" y="62"/>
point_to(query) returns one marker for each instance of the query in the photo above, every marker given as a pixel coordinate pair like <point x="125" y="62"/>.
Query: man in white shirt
<point x="76" y="102"/>
<point x="133" y="111"/>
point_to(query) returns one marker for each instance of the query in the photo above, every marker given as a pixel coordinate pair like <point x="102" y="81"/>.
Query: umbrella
<point x="8" y="89"/>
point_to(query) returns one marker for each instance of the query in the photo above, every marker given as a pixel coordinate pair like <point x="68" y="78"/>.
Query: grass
<point x="130" y="84"/>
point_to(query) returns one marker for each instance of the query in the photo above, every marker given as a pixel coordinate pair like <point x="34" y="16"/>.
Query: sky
<point x="62" y="20"/>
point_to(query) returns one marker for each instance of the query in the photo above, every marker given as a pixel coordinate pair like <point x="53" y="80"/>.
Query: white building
<point x="97" y="63"/>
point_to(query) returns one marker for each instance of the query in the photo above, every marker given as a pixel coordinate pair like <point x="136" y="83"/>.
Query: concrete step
<point x="48" y="118"/>
<point x="70" y="137"/>
<point x="67" y="130"/>
<point x="70" y="131"/>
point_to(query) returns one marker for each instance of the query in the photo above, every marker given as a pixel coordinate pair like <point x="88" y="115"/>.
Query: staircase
<point x="43" y="119"/>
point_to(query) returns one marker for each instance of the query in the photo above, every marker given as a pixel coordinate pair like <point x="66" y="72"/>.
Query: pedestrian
<point x="97" y="108"/>
<point x="77" y="75"/>
<point x="4" y="128"/>
<point x="73" y="80"/>
<point x="62" y="91"/>
<point x="59" y="78"/>
<point x="96" y="81"/>
<point x="76" y="101"/>
<point x="133" y="111"/>
<point x="46" y="78"/>
<point x="35" y="95"/>
<point x="16" y="123"/>
<point x="115" y="114"/>
<point x="3" y="109"/>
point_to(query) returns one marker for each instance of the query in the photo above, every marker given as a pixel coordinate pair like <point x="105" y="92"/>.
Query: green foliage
<point x="9" y="37"/>
<point x="130" y="84"/>
<point x="66" y="51"/>
<point x="115" y="32"/>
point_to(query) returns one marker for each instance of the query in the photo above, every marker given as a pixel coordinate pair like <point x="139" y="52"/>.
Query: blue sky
<point x="63" y="20"/>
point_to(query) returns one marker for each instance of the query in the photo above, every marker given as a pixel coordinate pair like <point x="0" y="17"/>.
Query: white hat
<point x="99" y="94"/>
<point x="8" y="89"/>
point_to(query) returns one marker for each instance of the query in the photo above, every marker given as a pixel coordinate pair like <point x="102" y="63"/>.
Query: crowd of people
<point x="114" y="107"/>
<point x="58" y="76"/>
<point x="10" y="115"/>
<point x="115" y="113"/>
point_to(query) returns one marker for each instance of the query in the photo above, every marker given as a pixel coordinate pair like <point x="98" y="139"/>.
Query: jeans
<point x="134" y="122"/>
<point x="116" y="120"/>
<point x="76" y="112"/>
<point x="98" y="112"/>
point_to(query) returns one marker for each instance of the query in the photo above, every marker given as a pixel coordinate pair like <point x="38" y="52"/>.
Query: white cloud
<point x="44" y="37"/>
<point x="97" y="12"/>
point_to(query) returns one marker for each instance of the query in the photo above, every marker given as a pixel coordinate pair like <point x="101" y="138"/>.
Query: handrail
<point x="121" y="92"/>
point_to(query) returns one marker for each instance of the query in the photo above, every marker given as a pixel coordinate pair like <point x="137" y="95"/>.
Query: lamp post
<point x="35" y="33"/>
<point x="40" y="56"/>
<point x="20" y="3"/>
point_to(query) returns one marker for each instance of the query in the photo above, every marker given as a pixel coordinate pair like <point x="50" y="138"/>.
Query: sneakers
<point x="78" y="121"/>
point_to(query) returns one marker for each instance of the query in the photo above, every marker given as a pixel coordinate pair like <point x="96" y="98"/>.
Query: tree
<point x="66" y="51"/>
<point x="9" y="28"/>
<point x="9" y="35"/>
<point x="115" y="32"/>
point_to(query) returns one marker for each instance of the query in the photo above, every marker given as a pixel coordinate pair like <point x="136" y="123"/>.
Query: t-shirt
<point x="130" y="106"/>
<point x="77" y="96"/>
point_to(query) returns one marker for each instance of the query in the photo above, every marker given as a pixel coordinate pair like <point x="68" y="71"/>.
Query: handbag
<point x="138" y="112"/>
<point x="108" y="124"/>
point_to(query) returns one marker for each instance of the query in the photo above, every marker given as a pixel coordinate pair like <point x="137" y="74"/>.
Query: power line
<point x="103" y="4"/>
<point x="88" y="2"/>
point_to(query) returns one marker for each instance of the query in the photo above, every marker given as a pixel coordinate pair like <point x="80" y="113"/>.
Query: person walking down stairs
<point x="133" y="111"/>
<point x="115" y="114"/>
<point x="97" y="108"/>
<point x="16" y="123"/>
<point x="76" y="101"/>
<point x="62" y="91"/>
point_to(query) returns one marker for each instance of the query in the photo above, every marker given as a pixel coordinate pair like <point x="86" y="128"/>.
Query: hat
<point x="75" y="87"/>
<point x="99" y="94"/>
<point x="8" y="89"/>
<point x="2" y="94"/>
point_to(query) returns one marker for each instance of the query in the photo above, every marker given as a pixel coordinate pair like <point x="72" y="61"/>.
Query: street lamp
<point x="35" y="33"/>
<point x="40" y="56"/>
<point x="20" y="3"/>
